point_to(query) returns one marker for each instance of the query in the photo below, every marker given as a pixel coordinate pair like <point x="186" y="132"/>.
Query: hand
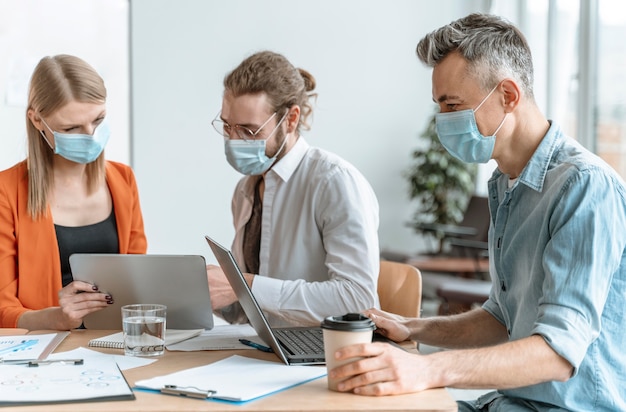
<point x="222" y="293"/>
<point x="384" y="370"/>
<point x="77" y="300"/>
<point x="394" y="327"/>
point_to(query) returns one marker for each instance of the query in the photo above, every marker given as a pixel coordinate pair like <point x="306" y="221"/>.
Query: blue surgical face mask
<point x="79" y="148"/>
<point x="248" y="156"/>
<point x="459" y="134"/>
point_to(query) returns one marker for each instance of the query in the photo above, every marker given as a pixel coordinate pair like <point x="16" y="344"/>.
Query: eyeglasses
<point x="242" y="132"/>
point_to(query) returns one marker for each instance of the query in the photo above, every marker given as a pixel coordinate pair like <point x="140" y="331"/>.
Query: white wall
<point x="374" y="95"/>
<point x="374" y="100"/>
<point x="94" y="30"/>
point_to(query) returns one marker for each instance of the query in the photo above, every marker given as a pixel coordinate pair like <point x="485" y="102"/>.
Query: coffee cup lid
<point x="349" y="322"/>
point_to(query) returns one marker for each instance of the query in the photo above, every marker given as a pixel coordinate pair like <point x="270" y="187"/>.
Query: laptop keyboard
<point x="301" y="341"/>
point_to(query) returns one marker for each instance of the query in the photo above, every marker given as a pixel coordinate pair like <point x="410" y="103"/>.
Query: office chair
<point x="463" y="249"/>
<point x="468" y="238"/>
<point x="400" y="288"/>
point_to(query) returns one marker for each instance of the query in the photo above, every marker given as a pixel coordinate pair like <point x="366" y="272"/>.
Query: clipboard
<point x="95" y="379"/>
<point x="236" y="379"/>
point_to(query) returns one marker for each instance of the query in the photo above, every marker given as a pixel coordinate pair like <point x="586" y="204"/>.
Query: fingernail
<point x="110" y="302"/>
<point x="108" y="297"/>
<point x="94" y="287"/>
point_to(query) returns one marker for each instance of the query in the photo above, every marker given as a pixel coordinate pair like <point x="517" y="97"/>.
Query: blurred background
<point x="163" y="62"/>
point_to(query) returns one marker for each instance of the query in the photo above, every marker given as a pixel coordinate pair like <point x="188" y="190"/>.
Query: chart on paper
<point x="59" y="382"/>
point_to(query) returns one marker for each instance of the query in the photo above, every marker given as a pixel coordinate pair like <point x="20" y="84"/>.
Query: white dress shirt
<point x="319" y="251"/>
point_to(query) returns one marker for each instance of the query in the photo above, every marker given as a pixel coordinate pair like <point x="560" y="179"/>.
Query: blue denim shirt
<point x="558" y="264"/>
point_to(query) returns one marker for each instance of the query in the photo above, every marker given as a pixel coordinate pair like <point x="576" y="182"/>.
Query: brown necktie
<point x="252" y="233"/>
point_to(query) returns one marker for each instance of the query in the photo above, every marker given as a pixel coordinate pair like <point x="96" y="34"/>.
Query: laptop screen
<point x="245" y="296"/>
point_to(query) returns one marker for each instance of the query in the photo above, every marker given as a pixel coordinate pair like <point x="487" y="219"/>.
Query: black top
<point x="97" y="238"/>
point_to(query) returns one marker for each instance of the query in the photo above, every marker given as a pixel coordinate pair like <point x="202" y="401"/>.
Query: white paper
<point x="97" y="377"/>
<point x="237" y="378"/>
<point x="124" y="362"/>
<point x="221" y="337"/>
<point x="24" y="346"/>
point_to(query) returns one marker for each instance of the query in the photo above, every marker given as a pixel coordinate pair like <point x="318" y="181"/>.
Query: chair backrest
<point x="400" y="288"/>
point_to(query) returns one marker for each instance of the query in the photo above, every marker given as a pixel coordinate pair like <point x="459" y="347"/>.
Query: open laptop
<point x="281" y="340"/>
<point x="178" y="281"/>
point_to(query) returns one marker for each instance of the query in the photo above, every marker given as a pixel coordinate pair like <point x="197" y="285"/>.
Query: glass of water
<point x="144" y="329"/>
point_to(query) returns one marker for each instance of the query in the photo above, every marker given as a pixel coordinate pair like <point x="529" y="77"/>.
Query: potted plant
<point x="441" y="184"/>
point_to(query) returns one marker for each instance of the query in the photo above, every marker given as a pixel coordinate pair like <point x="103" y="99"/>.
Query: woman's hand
<point x="77" y="300"/>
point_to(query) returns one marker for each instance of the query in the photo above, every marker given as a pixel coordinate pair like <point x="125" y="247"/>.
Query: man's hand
<point x="394" y="327"/>
<point x="222" y="293"/>
<point x="385" y="370"/>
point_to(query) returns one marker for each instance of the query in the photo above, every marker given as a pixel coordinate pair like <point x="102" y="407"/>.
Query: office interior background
<point x="163" y="62"/>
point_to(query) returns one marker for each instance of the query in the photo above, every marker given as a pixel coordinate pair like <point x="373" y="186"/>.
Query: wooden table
<point x="311" y="396"/>
<point x="461" y="266"/>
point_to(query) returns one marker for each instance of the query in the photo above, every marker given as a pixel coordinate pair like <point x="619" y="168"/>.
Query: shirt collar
<point x="536" y="169"/>
<point x="288" y="163"/>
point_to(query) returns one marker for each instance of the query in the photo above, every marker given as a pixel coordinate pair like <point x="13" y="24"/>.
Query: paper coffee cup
<point x="340" y="331"/>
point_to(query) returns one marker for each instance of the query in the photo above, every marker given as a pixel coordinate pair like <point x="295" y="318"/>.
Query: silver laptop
<point x="293" y="345"/>
<point x="178" y="281"/>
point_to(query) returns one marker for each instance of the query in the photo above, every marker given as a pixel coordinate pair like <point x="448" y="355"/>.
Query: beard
<point x="280" y="139"/>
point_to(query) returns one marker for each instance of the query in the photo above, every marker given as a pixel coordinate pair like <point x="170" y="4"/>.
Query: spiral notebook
<point x="116" y="340"/>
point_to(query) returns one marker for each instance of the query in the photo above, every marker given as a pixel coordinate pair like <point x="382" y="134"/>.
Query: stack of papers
<point x="221" y="337"/>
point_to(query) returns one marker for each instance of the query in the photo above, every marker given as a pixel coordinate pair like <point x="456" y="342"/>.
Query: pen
<point x="255" y="345"/>
<point x="49" y="361"/>
<point x="35" y="362"/>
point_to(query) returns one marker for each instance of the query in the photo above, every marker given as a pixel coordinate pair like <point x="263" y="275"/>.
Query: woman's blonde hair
<point x="271" y="73"/>
<point x="57" y="81"/>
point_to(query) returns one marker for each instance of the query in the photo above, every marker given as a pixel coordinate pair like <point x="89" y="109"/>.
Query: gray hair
<point x="492" y="46"/>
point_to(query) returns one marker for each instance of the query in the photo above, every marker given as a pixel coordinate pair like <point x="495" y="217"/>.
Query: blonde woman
<point x="64" y="198"/>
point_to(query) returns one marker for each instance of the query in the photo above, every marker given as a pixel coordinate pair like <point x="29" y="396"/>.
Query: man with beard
<point x="306" y="221"/>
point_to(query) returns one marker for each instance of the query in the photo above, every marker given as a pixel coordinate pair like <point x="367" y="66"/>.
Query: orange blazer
<point x="30" y="269"/>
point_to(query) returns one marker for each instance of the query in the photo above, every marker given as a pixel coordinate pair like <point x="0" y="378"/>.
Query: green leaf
<point x="440" y="184"/>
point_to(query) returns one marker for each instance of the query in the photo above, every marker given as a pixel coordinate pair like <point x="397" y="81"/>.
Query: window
<point x="610" y="100"/>
<point x="580" y="56"/>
